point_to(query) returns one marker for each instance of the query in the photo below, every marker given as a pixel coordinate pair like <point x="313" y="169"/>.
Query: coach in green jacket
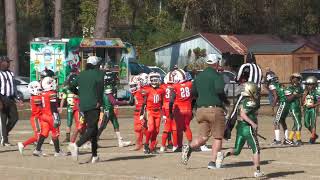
<point x="208" y="88"/>
<point x="90" y="84"/>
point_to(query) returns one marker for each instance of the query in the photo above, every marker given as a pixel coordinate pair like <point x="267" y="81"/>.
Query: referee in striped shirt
<point x="8" y="99"/>
<point x="248" y="72"/>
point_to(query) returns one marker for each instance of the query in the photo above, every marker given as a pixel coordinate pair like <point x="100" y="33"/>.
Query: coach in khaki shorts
<point x="208" y="87"/>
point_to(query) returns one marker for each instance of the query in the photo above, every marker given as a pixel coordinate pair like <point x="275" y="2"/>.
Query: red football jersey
<point x="138" y="98"/>
<point x="36" y="104"/>
<point x="48" y="98"/>
<point x="154" y="98"/>
<point x="183" y="94"/>
<point x="168" y="88"/>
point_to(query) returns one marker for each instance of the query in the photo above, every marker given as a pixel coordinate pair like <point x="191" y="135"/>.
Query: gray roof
<point x="283" y="48"/>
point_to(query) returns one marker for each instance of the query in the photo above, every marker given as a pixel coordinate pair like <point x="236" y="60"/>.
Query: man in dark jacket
<point x="90" y="84"/>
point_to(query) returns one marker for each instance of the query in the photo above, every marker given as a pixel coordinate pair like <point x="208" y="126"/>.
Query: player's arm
<point x="114" y="101"/>
<point x="172" y="98"/>
<point x="62" y="102"/>
<point x="275" y="98"/>
<point x="54" y="110"/>
<point x="219" y="87"/>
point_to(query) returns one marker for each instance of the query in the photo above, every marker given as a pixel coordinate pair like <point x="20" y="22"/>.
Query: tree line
<point x="148" y="23"/>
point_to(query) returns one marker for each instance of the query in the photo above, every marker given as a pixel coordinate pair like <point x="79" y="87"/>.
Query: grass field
<point x="281" y="162"/>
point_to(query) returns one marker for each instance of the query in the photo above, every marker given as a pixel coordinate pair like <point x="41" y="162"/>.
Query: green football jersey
<point x="279" y="89"/>
<point x="311" y="99"/>
<point x="250" y="107"/>
<point x="295" y="103"/>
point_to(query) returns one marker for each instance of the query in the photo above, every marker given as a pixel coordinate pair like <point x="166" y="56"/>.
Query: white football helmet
<point x="134" y="83"/>
<point x="154" y="79"/>
<point x="144" y="79"/>
<point x="168" y="79"/>
<point x="179" y="76"/>
<point x="48" y="84"/>
<point x="34" y="88"/>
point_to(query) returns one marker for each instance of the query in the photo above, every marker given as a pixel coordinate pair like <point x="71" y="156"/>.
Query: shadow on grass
<point x="236" y="164"/>
<point x="9" y="150"/>
<point x="271" y="175"/>
<point x="278" y="147"/>
<point x="129" y="158"/>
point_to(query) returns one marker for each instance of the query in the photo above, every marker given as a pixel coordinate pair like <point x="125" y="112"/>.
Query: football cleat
<point x="146" y="149"/>
<point x="275" y="143"/>
<point x="258" y="174"/>
<point x="124" y="143"/>
<point x="299" y="143"/>
<point x="288" y="142"/>
<point x="204" y="148"/>
<point x="59" y="154"/>
<point x="162" y="149"/>
<point x="38" y="153"/>
<point x="95" y="159"/>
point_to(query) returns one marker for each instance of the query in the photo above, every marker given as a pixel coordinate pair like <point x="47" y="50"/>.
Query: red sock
<point x="175" y="138"/>
<point x="29" y="141"/>
<point x="164" y="138"/>
<point x="188" y="134"/>
<point x="148" y="135"/>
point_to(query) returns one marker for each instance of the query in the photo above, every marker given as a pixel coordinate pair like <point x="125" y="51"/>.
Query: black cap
<point x="5" y="58"/>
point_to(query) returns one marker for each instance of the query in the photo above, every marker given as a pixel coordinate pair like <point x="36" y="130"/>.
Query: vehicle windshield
<point x="135" y="69"/>
<point x="154" y="69"/>
<point x="146" y="69"/>
<point x="307" y="74"/>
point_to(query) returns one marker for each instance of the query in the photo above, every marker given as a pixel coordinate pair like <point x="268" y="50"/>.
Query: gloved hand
<point x="57" y="121"/>
<point x="164" y="119"/>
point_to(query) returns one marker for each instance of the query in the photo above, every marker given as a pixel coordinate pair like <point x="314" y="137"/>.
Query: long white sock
<point x="286" y="134"/>
<point x="118" y="136"/>
<point x="277" y="134"/>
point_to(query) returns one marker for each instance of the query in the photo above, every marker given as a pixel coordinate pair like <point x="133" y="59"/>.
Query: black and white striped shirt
<point x="7" y="86"/>
<point x="255" y="73"/>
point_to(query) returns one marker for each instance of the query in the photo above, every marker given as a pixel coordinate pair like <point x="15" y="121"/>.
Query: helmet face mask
<point x="134" y="84"/>
<point x="34" y="87"/>
<point x="144" y="79"/>
<point x="179" y="76"/>
<point x="48" y="84"/>
<point x="296" y="79"/>
<point x="154" y="79"/>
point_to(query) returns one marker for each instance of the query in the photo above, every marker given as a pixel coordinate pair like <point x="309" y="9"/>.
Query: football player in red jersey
<point x="35" y="102"/>
<point x="50" y="120"/>
<point x="153" y="98"/>
<point x="136" y="88"/>
<point x="180" y="104"/>
<point x="169" y="124"/>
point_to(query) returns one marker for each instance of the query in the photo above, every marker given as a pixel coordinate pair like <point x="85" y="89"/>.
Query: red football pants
<point x="47" y="126"/>
<point x="169" y="126"/>
<point x="153" y="118"/>
<point x="138" y="128"/>
<point x="183" y="118"/>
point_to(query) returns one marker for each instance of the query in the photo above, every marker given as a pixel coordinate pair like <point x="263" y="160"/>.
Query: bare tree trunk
<point x="57" y="19"/>
<point x="11" y="31"/>
<point x="185" y="17"/>
<point x="102" y="20"/>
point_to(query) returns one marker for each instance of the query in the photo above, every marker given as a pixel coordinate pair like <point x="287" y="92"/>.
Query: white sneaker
<point x="258" y="174"/>
<point x="162" y="149"/>
<point x="86" y="145"/>
<point x="51" y="142"/>
<point x="219" y="160"/>
<point x="20" y="147"/>
<point x="205" y="148"/>
<point x="124" y="143"/>
<point x="95" y="159"/>
<point x="38" y="153"/>
<point x="73" y="148"/>
<point x="59" y="154"/>
<point x="174" y="148"/>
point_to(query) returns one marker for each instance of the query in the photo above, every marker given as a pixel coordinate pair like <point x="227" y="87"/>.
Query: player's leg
<point x="138" y="131"/>
<point x="276" y="123"/>
<point x="45" y="128"/>
<point x="157" y="121"/>
<point x="187" y="115"/>
<point x="103" y="122"/>
<point x="296" y="115"/>
<point x="34" y="122"/>
<point x="166" y="131"/>
<point x="114" y="120"/>
<point x="70" y="114"/>
<point x="313" y="119"/>
<point x="149" y="131"/>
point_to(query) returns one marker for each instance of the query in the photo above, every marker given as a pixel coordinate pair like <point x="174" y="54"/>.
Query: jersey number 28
<point x="185" y="92"/>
